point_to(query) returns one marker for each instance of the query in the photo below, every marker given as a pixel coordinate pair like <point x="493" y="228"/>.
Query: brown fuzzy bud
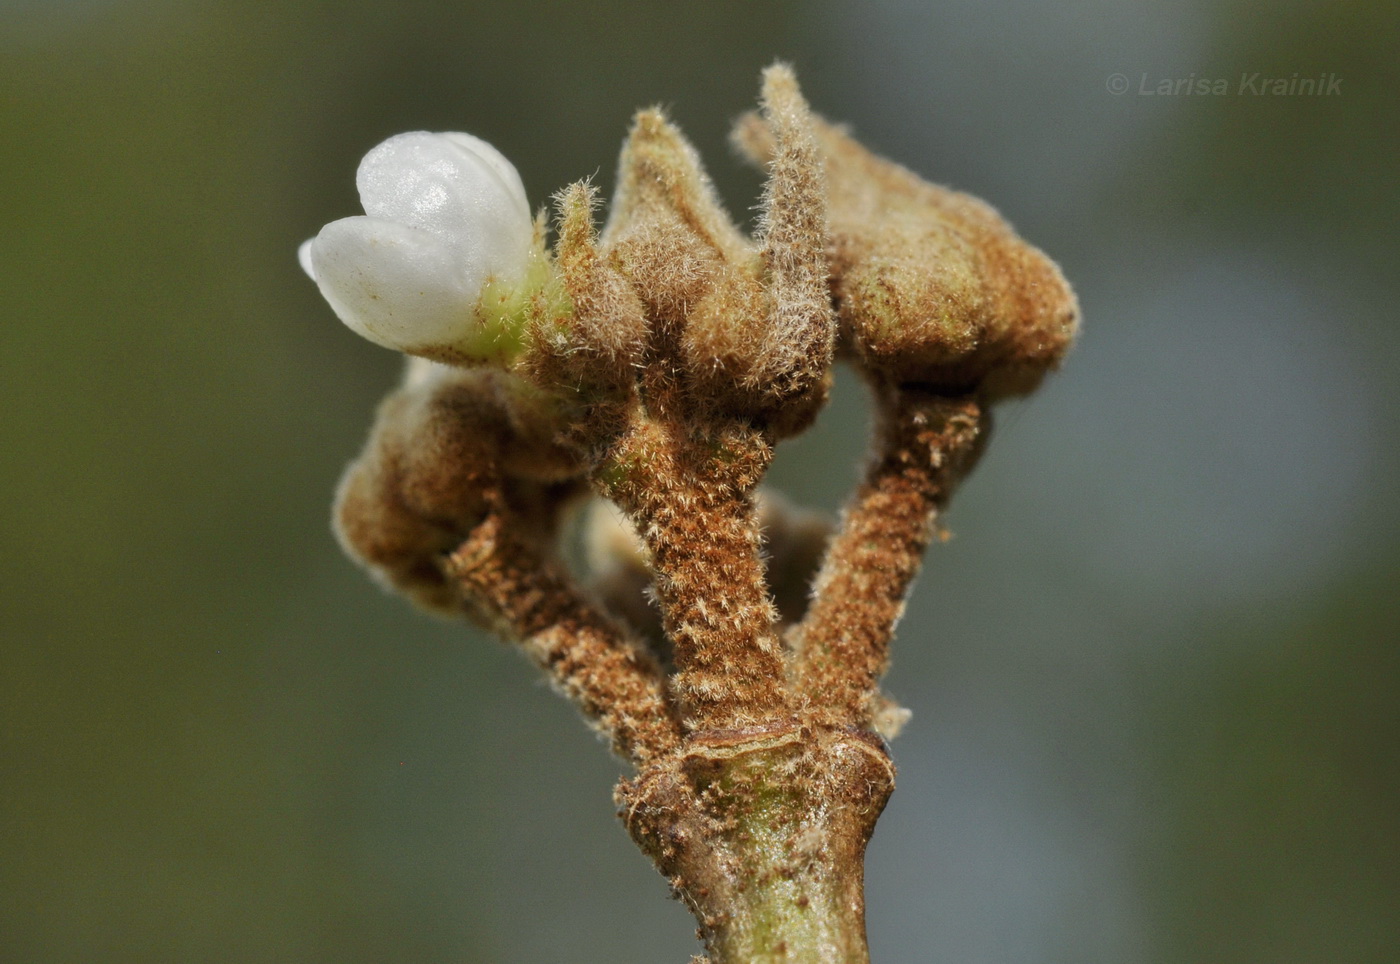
<point x="445" y="446"/>
<point x="795" y="343"/>
<point x="592" y="350"/>
<point x="742" y="328"/>
<point x="932" y="286"/>
<point x="422" y="481"/>
<point x="692" y="267"/>
<point x="668" y="232"/>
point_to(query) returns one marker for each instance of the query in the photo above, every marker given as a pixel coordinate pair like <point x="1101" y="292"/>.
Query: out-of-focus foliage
<point x="1154" y="679"/>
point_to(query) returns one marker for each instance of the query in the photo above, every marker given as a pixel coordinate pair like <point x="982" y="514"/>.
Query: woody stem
<point x="926" y="444"/>
<point x="612" y="681"/>
<point x="762" y="832"/>
<point x="689" y="495"/>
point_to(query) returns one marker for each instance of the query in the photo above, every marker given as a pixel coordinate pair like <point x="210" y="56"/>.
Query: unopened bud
<point x="436" y="266"/>
<point x="933" y="287"/>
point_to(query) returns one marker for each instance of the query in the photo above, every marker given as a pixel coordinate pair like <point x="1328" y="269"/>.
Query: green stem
<point x="762" y="832"/>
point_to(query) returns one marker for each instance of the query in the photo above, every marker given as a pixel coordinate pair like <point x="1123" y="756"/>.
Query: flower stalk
<point x="762" y="832"/>
<point x="656" y="364"/>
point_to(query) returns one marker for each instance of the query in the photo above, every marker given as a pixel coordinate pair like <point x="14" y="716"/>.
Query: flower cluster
<point x="655" y="364"/>
<point x="659" y="362"/>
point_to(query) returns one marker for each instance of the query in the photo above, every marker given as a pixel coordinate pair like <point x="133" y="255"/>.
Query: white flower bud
<point x="446" y="216"/>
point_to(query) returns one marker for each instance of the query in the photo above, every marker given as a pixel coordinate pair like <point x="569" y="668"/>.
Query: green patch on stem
<point x="504" y="313"/>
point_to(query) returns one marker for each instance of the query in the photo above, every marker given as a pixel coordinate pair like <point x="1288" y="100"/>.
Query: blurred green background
<point x="1155" y="678"/>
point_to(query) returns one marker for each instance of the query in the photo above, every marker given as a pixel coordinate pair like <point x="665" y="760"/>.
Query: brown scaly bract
<point x="662" y="363"/>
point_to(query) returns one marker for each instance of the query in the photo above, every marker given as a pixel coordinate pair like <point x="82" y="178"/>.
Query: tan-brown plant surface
<point x="728" y="644"/>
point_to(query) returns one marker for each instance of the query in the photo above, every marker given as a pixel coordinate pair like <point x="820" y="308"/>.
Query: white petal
<point x="504" y="170"/>
<point x="304" y="259"/>
<point x="455" y="187"/>
<point x="397" y="286"/>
